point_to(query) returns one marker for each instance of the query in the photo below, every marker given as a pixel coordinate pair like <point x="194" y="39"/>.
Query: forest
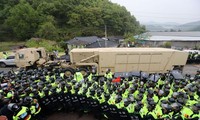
<point x="59" y="20"/>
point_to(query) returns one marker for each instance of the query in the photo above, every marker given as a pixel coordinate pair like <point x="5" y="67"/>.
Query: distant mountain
<point x="192" y="26"/>
<point x="172" y="26"/>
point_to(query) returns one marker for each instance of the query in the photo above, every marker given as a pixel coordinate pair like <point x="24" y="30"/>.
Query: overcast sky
<point x="179" y="11"/>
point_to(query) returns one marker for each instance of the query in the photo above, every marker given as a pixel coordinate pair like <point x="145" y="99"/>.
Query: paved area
<point x="70" y="116"/>
<point x="191" y="69"/>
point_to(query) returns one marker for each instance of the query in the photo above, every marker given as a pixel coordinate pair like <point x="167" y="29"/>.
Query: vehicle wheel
<point x="68" y="72"/>
<point x="180" y="69"/>
<point x="2" y="65"/>
<point x="84" y="72"/>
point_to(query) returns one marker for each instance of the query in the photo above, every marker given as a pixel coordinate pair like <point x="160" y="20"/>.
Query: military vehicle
<point x="151" y="60"/>
<point x="29" y="57"/>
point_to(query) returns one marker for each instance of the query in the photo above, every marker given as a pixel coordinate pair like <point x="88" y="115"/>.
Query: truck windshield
<point x="21" y="56"/>
<point x="40" y="53"/>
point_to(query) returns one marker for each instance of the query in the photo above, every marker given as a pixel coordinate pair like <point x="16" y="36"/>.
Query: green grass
<point x="7" y="46"/>
<point x="10" y="46"/>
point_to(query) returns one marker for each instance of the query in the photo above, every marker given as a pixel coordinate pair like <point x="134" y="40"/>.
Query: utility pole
<point x="105" y="36"/>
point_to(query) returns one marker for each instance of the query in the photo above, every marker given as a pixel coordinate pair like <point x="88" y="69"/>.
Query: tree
<point x="48" y="31"/>
<point x="23" y="20"/>
<point x="29" y="18"/>
<point x="129" y="39"/>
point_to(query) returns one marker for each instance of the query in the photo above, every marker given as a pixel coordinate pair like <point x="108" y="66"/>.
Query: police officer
<point x="196" y="111"/>
<point x="176" y="110"/>
<point x="92" y="74"/>
<point x="33" y="106"/>
<point x="78" y="75"/>
<point x="186" y="112"/>
<point x="45" y="102"/>
<point x="197" y="76"/>
<point x="21" y="113"/>
<point x="5" y="55"/>
<point x="167" y="111"/>
<point x="8" y="109"/>
<point x="151" y="112"/>
<point x="119" y="102"/>
<point x="108" y="74"/>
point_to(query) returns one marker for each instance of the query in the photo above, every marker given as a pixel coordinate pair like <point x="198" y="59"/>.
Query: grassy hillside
<point x="7" y="46"/>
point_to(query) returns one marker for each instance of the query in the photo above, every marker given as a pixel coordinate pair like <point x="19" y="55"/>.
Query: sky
<point x="162" y="11"/>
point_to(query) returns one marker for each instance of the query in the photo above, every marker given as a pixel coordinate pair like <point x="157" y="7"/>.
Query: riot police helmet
<point x="77" y="70"/>
<point x="141" y="90"/>
<point x="171" y="100"/>
<point x="92" y="91"/>
<point x="49" y="86"/>
<point x="131" y="98"/>
<point x="181" y="101"/>
<point x="94" y="71"/>
<point x="53" y="89"/>
<point x="175" y="95"/>
<point x="107" y="96"/>
<point x="126" y="102"/>
<point x="176" y="106"/>
<point x="68" y="86"/>
<point x="152" y="103"/>
<point x="13" y="107"/>
<point x="99" y="92"/>
<point x="28" y="99"/>
<point x="160" y="93"/>
<point x="150" y="92"/>
<point x="196" y="108"/>
<point x="132" y="90"/>
<point x="73" y="82"/>
<point x="76" y="88"/>
<point x="46" y="90"/>
<point x="164" y="101"/>
<point x="108" y="70"/>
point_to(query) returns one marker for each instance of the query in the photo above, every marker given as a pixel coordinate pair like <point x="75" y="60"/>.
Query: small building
<point x="177" y="40"/>
<point x="90" y="42"/>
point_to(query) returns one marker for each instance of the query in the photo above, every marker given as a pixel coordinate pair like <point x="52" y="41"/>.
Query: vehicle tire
<point x="68" y="72"/>
<point x="2" y="65"/>
<point x="178" y="68"/>
<point x="84" y="72"/>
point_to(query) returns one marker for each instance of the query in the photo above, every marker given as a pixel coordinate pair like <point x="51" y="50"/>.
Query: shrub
<point x="167" y="45"/>
<point x="47" y="44"/>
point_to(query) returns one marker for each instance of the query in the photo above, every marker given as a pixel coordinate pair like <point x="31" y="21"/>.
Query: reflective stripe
<point x="38" y="111"/>
<point x="22" y="114"/>
<point x="109" y="75"/>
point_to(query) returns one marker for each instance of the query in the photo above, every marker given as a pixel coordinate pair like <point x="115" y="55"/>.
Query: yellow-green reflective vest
<point x="130" y="108"/>
<point x="186" y="113"/>
<point x="78" y="76"/>
<point x="153" y="114"/>
<point x="109" y="75"/>
<point x="143" y="111"/>
<point x="22" y="114"/>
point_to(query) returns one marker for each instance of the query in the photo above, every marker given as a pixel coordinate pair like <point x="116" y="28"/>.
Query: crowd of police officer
<point x="35" y="93"/>
<point x="193" y="57"/>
